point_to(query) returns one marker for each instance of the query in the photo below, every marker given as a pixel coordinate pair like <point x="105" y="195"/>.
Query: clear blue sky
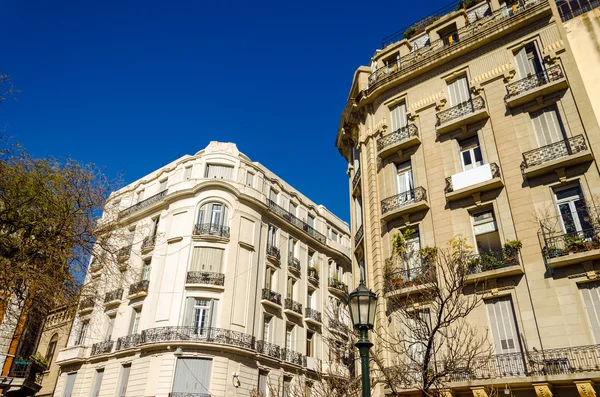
<point x="129" y="85"/>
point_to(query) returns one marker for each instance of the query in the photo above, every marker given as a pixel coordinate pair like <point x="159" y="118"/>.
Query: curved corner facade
<point x="223" y="284"/>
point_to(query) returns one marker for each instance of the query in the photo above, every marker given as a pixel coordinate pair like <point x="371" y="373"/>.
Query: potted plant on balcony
<point x="554" y="252"/>
<point x="510" y="251"/>
<point x="38" y="362"/>
<point x="397" y="282"/>
<point x="575" y="244"/>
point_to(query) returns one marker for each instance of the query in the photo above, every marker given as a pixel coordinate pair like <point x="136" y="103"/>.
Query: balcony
<point x="197" y="335"/>
<point x="338" y="325"/>
<point x="205" y="278"/>
<point x="313" y="273"/>
<point x="268" y="349"/>
<point x="24" y="378"/>
<point x="294" y="263"/>
<point x="86" y="305"/>
<point x="356" y="182"/>
<point x="72" y="354"/>
<point x="292" y="307"/>
<point x="273" y="253"/>
<point x="404" y="203"/>
<point x="461" y="115"/>
<point x="124" y="253"/>
<point x="473" y="182"/>
<point x="337" y="286"/>
<point x="139" y="289"/>
<point x="271" y="298"/>
<point x="358" y="237"/>
<point x="312" y="316"/>
<point x="293" y="357"/>
<point x="534" y="86"/>
<point x="398" y="140"/>
<point x="148" y="244"/>
<point x="402" y="282"/>
<point x="571" y="248"/>
<point x="102" y="348"/>
<point x="127" y="342"/>
<point x="557" y="155"/>
<point x="492" y="265"/>
<point x="143" y="204"/>
<point x="280" y="211"/>
<point x="211" y="230"/>
<point x="113" y="298"/>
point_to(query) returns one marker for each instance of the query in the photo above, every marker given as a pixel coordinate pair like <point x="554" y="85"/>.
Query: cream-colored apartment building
<point x="221" y="287"/>
<point x="476" y="122"/>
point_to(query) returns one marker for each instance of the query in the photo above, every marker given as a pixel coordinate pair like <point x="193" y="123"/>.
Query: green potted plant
<point x="38" y="361"/>
<point x="510" y="251"/>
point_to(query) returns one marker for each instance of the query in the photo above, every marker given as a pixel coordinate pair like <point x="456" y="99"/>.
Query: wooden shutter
<point x="188" y="315"/>
<point x="398" y="116"/>
<point x="205" y="259"/>
<point x="546" y="126"/>
<point x="124" y="380"/>
<point x="522" y="64"/>
<point x="459" y="91"/>
<point x="192" y="375"/>
<point x="503" y="326"/>
<point x="214" y="307"/>
<point x="591" y="301"/>
<point x="70" y="384"/>
<point x="219" y="171"/>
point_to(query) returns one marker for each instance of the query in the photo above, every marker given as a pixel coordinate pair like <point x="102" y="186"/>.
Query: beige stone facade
<point x="479" y="125"/>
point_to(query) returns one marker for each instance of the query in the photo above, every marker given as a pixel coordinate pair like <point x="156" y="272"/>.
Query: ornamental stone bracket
<point x="479" y="391"/>
<point x="543" y="389"/>
<point x="550" y="52"/>
<point x="585" y="388"/>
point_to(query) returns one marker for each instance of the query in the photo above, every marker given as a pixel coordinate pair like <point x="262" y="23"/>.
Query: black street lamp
<point x="362" y="304"/>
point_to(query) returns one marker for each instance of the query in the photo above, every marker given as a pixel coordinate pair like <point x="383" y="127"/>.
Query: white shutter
<point x="188" y="315"/>
<point x="262" y="383"/>
<point x="219" y="171"/>
<point x="126" y="369"/>
<point x="522" y="64"/>
<point x="591" y="301"/>
<point x="70" y="384"/>
<point x="98" y="382"/>
<point x="192" y="375"/>
<point x="459" y="91"/>
<point x="546" y="126"/>
<point x="502" y="324"/>
<point x="398" y="116"/>
<point x="358" y="211"/>
<point x="214" y="307"/>
<point x="205" y="259"/>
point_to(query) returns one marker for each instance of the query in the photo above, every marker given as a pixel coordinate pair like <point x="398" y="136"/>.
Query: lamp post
<point x="362" y="302"/>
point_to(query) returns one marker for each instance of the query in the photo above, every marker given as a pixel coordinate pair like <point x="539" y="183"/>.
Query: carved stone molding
<point x="543" y="389"/>
<point x="585" y="388"/>
<point x="479" y="392"/>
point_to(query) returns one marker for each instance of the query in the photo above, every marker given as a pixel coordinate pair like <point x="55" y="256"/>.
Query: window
<point x="292" y="247"/>
<point x="309" y="343"/>
<point x="269" y="278"/>
<point x="140" y="195"/>
<point x="219" y="171"/>
<point x="310" y="299"/>
<point x="262" y="383"/>
<point x="470" y="153"/>
<point x="192" y="376"/>
<point x="201" y="314"/>
<point x="448" y="35"/>
<point x="404" y="180"/>
<point x="311" y="221"/>
<point x="574" y="216"/>
<point x="187" y="173"/>
<point x="312" y="258"/>
<point x="267" y="328"/>
<point x="274" y="195"/>
<point x="591" y="300"/>
<point x="392" y="64"/>
<point x="289" y="337"/>
<point x="146" y="267"/>
<point x="398" y="117"/>
<point x="418" y="325"/>
<point x="205" y="259"/>
<point x="51" y="348"/>
<point x="547" y="126"/>
<point x="485" y="228"/>
<point x="70" y="384"/>
<point x="135" y="321"/>
<point x="272" y="236"/>
<point x="293" y="209"/>
<point x="125" y="370"/>
<point x="458" y="91"/>
<point x="413" y="245"/>
<point x="163" y="185"/>
<point x="287" y="387"/>
<point x="355" y="158"/>
<point x="334" y="235"/>
<point x="110" y="327"/>
<point x="503" y="325"/>
<point x="155" y="222"/>
<point x="290" y="287"/>
<point x="213" y="214"/>
<point x="98" y="382"/>
<point x="528" y="61"/>
<point x="82" y="333"/>
<point x="358" y="211"/>
<point x="249" y="178"/>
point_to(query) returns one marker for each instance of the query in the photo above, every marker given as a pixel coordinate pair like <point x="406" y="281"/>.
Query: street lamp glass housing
<point x="362" y="302"/>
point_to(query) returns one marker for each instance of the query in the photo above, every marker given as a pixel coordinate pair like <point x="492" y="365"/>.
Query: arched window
<point x="51" y="348"/>
<point x="212" y="220"/>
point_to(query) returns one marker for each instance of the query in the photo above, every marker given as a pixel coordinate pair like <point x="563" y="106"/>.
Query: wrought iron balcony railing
<point x="140" y="286"/>
<point x="208" y="278"/>
<point x="338" y="285"/>
<point x="292" y="305"/>
<point x="554" y="151"/>
<point x="557" y="245"/>
<point x="196" y="334"/>
<point x="273" y="251"/>
<point x="300" y="224"/>
<point x="533" y="81"/>
<point x="127" y="342"/>
<point x="359" y="235"/>
<point x="25" y="368"/>
<point x="462" y="109"/>
<point x="102" y="347"/>
<point x="87" y="303"/>
<point x="403" y="199"/>
<point x="114" y="295"/>
<point x="293" y="357"/>
<point x="271" y="296"/>
<point x="400" y="135"/>
<point x="143" y="204"/>
<point x="495" y="171"/>
<point x="356" y="178"/>
<point x="313" y="272"/>
<point x="412" y="277"/>
<point x="211" y="229"/>
<point x="293" y="263"/>
<point x="338" y="325"/>
<point x="312" y="314"/>
<point x="148" y="243"/>
<point x="124" y="253"/>
<point x="268" y="349"/>
<point x="571" y="10"/>
<point x="493" y="260"/>
<point x="188" y="394"/>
